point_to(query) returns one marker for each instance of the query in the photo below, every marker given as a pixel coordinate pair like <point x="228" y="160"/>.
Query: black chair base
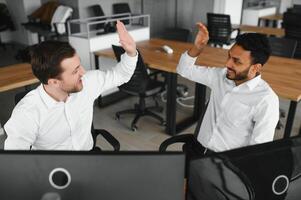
<point x="140" y="113"/>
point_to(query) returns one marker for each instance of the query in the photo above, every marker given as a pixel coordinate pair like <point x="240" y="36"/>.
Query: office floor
<point x="149" y="134"/>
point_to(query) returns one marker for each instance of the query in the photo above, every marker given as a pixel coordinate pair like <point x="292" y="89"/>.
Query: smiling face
<point x="239" y="65"/>
<point x="70" y="80"/>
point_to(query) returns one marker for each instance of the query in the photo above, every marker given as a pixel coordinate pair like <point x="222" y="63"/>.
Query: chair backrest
<point x="96" y="11"/>
<point x="178" y="34"/>
<point x="20" y="95"/>
<point x="292" y="28"/>
<point x="219" y="27"/>
<point x="283" y="46"/>
<point x="119" y="8"/>
<point x="295" y="9"/>
<point x="140" y="78"/>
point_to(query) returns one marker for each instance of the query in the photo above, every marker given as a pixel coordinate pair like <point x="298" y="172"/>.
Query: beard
<point x="237" y="76"/>
<point x="75" y="88"/>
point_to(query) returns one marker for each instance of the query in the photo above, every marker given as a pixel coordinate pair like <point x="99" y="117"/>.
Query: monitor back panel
<point x="110" y="177"/>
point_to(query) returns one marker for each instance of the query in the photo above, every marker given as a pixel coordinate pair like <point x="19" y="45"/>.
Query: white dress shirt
<point x="46" y="124"/>
<point x="236" y="116"/>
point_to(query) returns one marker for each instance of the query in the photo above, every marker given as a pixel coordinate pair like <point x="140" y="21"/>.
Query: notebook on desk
<point x="91" y="176"/>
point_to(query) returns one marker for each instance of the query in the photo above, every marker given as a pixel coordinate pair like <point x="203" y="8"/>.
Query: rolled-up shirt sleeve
<point x="99" y="81"/>
<point x="200" y="74"/>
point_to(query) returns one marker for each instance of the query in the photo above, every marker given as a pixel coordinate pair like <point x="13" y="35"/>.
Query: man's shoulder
<point x="267" y="93"/>
<point x="31" y="102"/>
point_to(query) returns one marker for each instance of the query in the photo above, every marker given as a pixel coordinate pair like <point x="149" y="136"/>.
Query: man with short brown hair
<point x="58" y="114"/>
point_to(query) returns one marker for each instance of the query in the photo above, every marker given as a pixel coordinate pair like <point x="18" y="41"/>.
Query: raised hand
<point x="125" y="39"/>
<point x="202" y="37"/>
<point x="200" y="41"/>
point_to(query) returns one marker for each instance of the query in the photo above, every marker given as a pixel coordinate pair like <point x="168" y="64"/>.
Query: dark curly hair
<point x="257" y="44"/>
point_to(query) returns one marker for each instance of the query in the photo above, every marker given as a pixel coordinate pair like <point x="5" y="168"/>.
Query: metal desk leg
<point x="290" y="119"/>
<point x="96" y="62"/>
<point x="199" y="100"/>
<point x="171" y="79"/>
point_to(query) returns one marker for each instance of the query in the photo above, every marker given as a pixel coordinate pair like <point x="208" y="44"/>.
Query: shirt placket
<point x="225" y="101"/>
<point x="70" y="122"/>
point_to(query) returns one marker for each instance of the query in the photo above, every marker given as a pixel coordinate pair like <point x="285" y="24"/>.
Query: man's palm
<point x="126" y="39"/>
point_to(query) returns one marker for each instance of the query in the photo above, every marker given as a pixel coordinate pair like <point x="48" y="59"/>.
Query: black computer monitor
<point x="263" y="172"/>
<point x="35" y="175"/>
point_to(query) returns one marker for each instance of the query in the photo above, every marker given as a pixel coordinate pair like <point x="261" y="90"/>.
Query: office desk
<point x="156" y="58"/>
<point x="283" y="75"/>
<point x="15" y="76"/>
<point x="274" y="18"/>
<point x="279" y="32"/>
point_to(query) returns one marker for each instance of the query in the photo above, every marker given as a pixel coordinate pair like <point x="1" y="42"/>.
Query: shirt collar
<point x="251" y="84"/>
<point x="48" y="100"/>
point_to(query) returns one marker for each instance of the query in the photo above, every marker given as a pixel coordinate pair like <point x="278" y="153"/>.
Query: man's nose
<point x="229" y="63"/>
<point x="82" y="71"/>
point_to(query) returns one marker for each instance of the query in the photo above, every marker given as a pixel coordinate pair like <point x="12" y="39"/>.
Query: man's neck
<point x="56" y="93"/>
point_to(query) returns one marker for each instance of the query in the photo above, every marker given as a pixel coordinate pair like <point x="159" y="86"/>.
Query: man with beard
<point x="58" y="114"/>
<point x="243" y="110"/>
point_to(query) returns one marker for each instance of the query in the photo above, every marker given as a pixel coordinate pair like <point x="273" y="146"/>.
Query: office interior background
<point x="163" y="14"/>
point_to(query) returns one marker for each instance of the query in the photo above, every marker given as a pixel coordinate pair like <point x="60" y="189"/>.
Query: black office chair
<point x="189" y="140"/>
<point x="119" y="8"/>
<point x="295" y="9"/>
<point x="140" y="85"/>
<point x="292" y="28"/>
<point x="96" y="11"/>
<point x="95" y="132"/>
<point x="186" y="139"/>
<point x="220" y="29"/>
<point x="283" y="46"/>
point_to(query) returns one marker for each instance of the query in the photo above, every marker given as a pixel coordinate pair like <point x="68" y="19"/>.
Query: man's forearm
<point x="195" y="52"/>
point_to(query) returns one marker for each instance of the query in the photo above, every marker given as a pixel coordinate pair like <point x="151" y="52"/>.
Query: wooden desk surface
<point x="15" y="76"/>
<point x="279" y="32"/>
<point x="272" y="17"/>
<point x="283" y="74"/>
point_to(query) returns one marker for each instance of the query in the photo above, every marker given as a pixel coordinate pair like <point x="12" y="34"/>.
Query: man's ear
<point x="53" y="82"/>
<point x="256" y="68"/>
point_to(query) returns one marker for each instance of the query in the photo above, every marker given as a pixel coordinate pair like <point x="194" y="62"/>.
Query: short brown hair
<point x="46" y="57"/>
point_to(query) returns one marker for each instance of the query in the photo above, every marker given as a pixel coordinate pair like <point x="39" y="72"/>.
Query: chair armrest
<point x="235" y="29"/>
<point x="185" y="138"/>
<point x="109" y="137"/>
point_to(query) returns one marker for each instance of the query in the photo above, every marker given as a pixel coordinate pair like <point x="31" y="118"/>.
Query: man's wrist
<point x="132" y="54"/>
<point x="195" y="51"/>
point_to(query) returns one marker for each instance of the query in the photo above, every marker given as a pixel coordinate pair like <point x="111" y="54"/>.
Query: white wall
<point x="296" y="1"/>
<point x="230" y="7"/>
<point x="192" y="11"/>
<point x="284" y="4"/>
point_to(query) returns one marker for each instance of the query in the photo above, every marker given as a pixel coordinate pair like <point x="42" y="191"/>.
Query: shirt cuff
<point x="189" y="59"/>
<point x="129" y="59"/>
